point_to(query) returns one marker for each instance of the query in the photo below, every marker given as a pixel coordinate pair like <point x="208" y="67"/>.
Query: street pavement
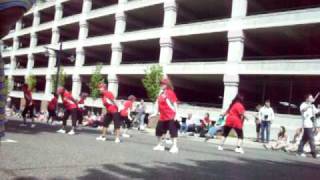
<point x="41" y="153"/>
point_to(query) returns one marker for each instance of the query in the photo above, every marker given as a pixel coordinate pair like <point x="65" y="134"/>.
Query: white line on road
<point x="8" y="141"/>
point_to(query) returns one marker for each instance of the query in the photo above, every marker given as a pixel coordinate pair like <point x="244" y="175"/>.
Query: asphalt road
<point x="41" y="153"/>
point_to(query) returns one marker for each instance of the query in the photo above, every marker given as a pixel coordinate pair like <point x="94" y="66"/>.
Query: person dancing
<point x="167" y="107"/>
<point x="125" y="114"/>
<point x="81" y="108"/>
<point x="29" y="106"/>
<point x="112" y="114"/>
<point x="52" y="105"/>
<point x="234" y="120"/>
<point x="70" y="105"/>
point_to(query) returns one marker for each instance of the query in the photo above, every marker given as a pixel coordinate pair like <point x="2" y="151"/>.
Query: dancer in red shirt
<point x="235" y="117"/>
<point x="166" y="106"/>
<point x="29" y="105"/>
<point x="112" y="114"/>
<point x="70" y="105"/>
<point x="125" y="114"/>
<point x="81" y="108"/>
<point x="52" y="105"/>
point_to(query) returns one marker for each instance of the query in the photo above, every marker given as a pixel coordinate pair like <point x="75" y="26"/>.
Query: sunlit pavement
<point x="41" y="153"/>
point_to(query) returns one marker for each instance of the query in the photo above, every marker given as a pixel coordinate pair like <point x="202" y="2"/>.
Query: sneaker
<point x="159" y="148"/>
<point x="220" y="148"/>
<point x="239" y="150"/>
<point x="126" y="135"/>
<point x="61" y="131"/>
<point x="117" y="140"/>
<point x="101" y="138"/>
<point x="33" y="125"/>
<point x="71" y="132"/>
<point x="315" y="155"/>
<point x="302" y="155"/>
<point x="23" y="125"/>
<point x="174" y="150"/>
<point x="169" y="141"/>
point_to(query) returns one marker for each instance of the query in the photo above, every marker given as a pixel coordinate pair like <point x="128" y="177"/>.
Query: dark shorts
<point x="28" y="109"/>
<point x="52" y="113"/>
<point x="126" y="123"/>
<point x="164" y="126"/>
<point x="258" y="127"/>
<point x="227" y="129"/>
<point x="115" y="117"/>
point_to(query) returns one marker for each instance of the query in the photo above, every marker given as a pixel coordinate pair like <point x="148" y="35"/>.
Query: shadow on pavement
<point x="243" y="169"/>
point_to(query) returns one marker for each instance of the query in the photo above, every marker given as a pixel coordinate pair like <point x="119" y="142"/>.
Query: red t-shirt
<point x="166" y="108"/>
<point x="68" y="101"/>
<point x="205" y="122"/>
<point x="81" y="104"/>
<point x="107" y="100"/>
<point x="28" y="97"/>
<point x="234" y="116"/>
<point x="53" y="104"/>
<point x="126" y="106"/>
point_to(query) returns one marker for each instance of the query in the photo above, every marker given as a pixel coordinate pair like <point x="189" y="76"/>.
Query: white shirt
<point x="308" y="114"/>
<point x="266" y="112"/>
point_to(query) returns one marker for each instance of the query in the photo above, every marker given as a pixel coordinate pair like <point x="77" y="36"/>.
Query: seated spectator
<point x="183" y="126"/>
<point x="205" y="124"/>
<point x="218" y="126"/>
<point x="193" y="123"/>
<point x="282" y="141"/>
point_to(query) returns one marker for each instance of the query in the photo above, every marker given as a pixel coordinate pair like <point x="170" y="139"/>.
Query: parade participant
<point x="29" y="106"/>
<point x="166" y="106"/>
<point x="308" y="112"/>
<point x="234" y="120"/>
<point x="125" y="114"/>
<point x="112" y="114"/>
<point x="70" y="105"/>
<point x="81" y="107"/>
<point x="266" y="116"/>
<point x="52" y="105"/>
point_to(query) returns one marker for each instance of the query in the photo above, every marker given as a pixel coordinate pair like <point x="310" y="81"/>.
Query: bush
<point x="32" y="82"/>
<point x="151" y="81"/>
<point x="95" y="79"/>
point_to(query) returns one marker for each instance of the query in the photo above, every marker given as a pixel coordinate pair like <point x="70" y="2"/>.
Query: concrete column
<point x="239" y="8"/>
<point x="79" y="57"/>
<point x="76" y="85"/>
<point x="86" y="7"/>
<point x="236" y="45"/>
<point x="50" y="72"/>
<point x="83" y="32"/>
<point x="59" y="11"/>
<point x="34" y="40"/>
<point x="48" y="88"/>
<point x="36" y="19"/>
<point x="116" y="56"/>
<point x="15" y="44"/>
<point x="123" y="1"/>
<point x="231" y="85"/>
<point x="30" y="64"/>
<point x="18" y="25"/>
<point x="120" y="25"/>
<point x="55" y="35"/>
<point x="166" y="50"/>
<point x="113" y="84"/>
<point x="170" y="13"/>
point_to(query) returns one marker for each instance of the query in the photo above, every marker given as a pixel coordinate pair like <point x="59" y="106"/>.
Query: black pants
<point x="74" y="116"/>
<point x="51" y="114"/>
<point x="227" y="129"/>
<point x="308" y="136"/>
<point x="28" y="108"/>
<point x="164" y="126"/>
<point x="126" y="123"/>
<point x="80" y="116"/>
<point x="115" y="117"/>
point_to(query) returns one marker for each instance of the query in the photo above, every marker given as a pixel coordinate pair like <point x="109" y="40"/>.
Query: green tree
<point x="32" y="82"/>
<point x="61" y="81"/>
<point x="6" y="86"/>
<point x="95" y="79"/>
<point x="151" y="81"/>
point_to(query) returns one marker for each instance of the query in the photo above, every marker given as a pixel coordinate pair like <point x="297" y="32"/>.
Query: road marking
<point x="8" y="141"/>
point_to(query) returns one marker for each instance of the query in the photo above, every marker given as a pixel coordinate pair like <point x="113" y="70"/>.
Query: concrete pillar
<point x="76" y="85"/>
<point x="80" y="57"/>
<point x="231" y="86"/>
<point x="239" y="8"/>
<point x="116" y="56"/>
<point x="50" y="72"/>
<point x="15" y="44"/>
<point x="48" y="89"/>
<point x="55" y="35"/>
<point x="166" y="50"/>
<point x="83" y="32"/>
<point x="120" y="25"/>
<point x="86" y="7"/>
<point x="113" y="84"/>
<point x="30" y="64"/>
<point x="123" y="1"/>
<point x="34" y="40"/>
<point x="18" y="25"/>
<point x="236" y="46"/>
<point x="170" y="13"/>
<point x="36" y="19"/>
<point x="59" y="11"/>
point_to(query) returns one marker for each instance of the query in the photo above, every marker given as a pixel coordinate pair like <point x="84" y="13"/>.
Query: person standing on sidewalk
<point x="308" y="112"/>
<point x="71" y="109"/>
<point x="112" y="114"/>
<point x="125" y="114"/>
<point x="141" y="114"/>
<point x="167" y="107"/>
<point x="266" y="116"/>
<point x="234" y="120"/>
<point x="29" y="105"/>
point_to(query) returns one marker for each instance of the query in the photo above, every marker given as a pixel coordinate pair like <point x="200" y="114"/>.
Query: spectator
<point x="205" y="124"/>
<point x="282" y="141"/>
<point x="258" y="122"/>
<point x="266" y="116"/>
<point x="218" y="126"/>
<point x="183" y="126"/>
<point x="141" y="114"/>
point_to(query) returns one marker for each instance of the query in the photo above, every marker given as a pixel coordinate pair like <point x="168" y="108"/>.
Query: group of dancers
<point x="166" y="106"/>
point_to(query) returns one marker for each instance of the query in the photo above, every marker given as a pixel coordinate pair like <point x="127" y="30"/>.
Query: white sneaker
<point x="220" y="148"/>
<point x="33" y="125"/>
<point x="169" y="141"/>
<point x="174" y="150"/>
<point x="61" y="131"/>
<point x="159" y="148"/>
<point x="101" y="138"/>
<point x="71" y="132"/>
<point x="239" y="150"/>
<point x="302" y="155"/>
<point x="126" y="135"/>
<point x="117" y="140"/>
<point x="23" y="125"/>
